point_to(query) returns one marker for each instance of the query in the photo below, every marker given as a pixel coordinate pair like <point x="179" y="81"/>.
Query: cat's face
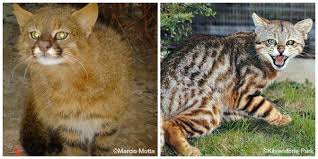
<point x="279" y="41"/>
<point x="52" y="36"/>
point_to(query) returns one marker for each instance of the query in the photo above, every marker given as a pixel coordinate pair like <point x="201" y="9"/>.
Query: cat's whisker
<point x="69" y="55"/>
<point x="19" y="63"/>
<point x="305" y="52"/>
<point x="83" y="68"/>
<point x="26" y="69"/>
<point x="78" y="61"/>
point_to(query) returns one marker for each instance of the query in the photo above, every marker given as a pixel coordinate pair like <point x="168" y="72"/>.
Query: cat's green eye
<point x="272" y="42"/>
<point x="35" y="34"/>
<point x="61" y="35"/>
<point x="290" y="42"/>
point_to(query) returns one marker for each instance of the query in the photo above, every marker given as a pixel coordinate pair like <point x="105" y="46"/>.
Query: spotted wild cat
<point x="217" y="79"/>
<point x="81" y="75"/>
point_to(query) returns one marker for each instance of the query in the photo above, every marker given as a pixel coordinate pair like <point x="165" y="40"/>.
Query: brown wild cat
<point x="213" y="80"/>
<point x="81" y="76"/>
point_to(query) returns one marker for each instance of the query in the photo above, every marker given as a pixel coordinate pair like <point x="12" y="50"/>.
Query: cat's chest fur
<point x="86" y="128"/>
<point x="80" y="119"/>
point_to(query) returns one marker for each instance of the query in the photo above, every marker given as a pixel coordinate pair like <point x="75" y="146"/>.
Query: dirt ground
<point x="140" y="126"/>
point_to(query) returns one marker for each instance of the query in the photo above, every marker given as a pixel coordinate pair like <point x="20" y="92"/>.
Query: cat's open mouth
<point x="279" y="60"/>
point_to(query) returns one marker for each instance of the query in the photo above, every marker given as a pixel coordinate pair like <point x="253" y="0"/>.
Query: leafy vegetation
<point x="176" y="19"/>
<point x="250" y="137"/>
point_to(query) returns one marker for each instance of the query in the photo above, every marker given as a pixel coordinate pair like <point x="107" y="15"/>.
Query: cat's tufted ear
<point x="259" y="22"/>
<point x="86" y="17"/>
<point x="22" y="15"/>
<point x="304" y="27"/>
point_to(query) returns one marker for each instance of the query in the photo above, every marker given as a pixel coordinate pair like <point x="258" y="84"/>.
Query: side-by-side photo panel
<point x="237" y="79"/>
<point x="80" y="79"/>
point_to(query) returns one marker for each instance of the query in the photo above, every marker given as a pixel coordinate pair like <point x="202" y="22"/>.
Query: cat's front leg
<point x="258" y="107"/>
<point x="192" y="123"/>
<point x="176" y="138"/>
<point x="33" y="134"/>
<point x="73" y="143"/>
<point x="55" y="146"/>
<point x="103" y="141"/>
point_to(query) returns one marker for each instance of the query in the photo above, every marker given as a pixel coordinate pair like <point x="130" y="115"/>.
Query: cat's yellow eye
<point x="272" y="42"/>
<point x="35" y="34"/>
<point x="61" y="35"/>
<point x="290" y="42"/>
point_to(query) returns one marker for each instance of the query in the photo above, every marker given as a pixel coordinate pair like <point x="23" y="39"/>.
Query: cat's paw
<point x="55" y="148"/>
<point x="193" y="151"/>
<point x="283" y="120"/>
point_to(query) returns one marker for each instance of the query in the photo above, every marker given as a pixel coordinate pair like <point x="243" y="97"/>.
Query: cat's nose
<point x="44" y="45"/>
<point x="281" y="50"/>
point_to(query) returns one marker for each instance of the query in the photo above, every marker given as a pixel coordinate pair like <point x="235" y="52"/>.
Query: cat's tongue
<point x="279" y="60"/>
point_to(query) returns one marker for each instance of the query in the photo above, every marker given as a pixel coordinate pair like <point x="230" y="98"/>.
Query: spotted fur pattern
<point x="218" y="79"/>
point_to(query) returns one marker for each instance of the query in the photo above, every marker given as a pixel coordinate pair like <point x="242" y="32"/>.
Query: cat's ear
<point x="22" y="15"/>
<point x="304" y="26"/>
<point x="258" y="21"/>
<point x="86" y="17"/>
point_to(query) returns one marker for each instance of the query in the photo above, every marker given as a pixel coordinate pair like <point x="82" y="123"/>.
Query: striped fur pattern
<point x="80" y="85"/>
<point x="218" y="79"/>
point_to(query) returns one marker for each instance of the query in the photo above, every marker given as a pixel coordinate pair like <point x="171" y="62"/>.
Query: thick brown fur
<point x="79" y="102"/>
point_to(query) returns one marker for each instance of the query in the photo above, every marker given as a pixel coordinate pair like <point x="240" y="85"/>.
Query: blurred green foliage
<point x="176" y="19"/>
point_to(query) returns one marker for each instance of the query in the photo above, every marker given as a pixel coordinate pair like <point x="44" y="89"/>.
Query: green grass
<point x="251" y="137"/>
